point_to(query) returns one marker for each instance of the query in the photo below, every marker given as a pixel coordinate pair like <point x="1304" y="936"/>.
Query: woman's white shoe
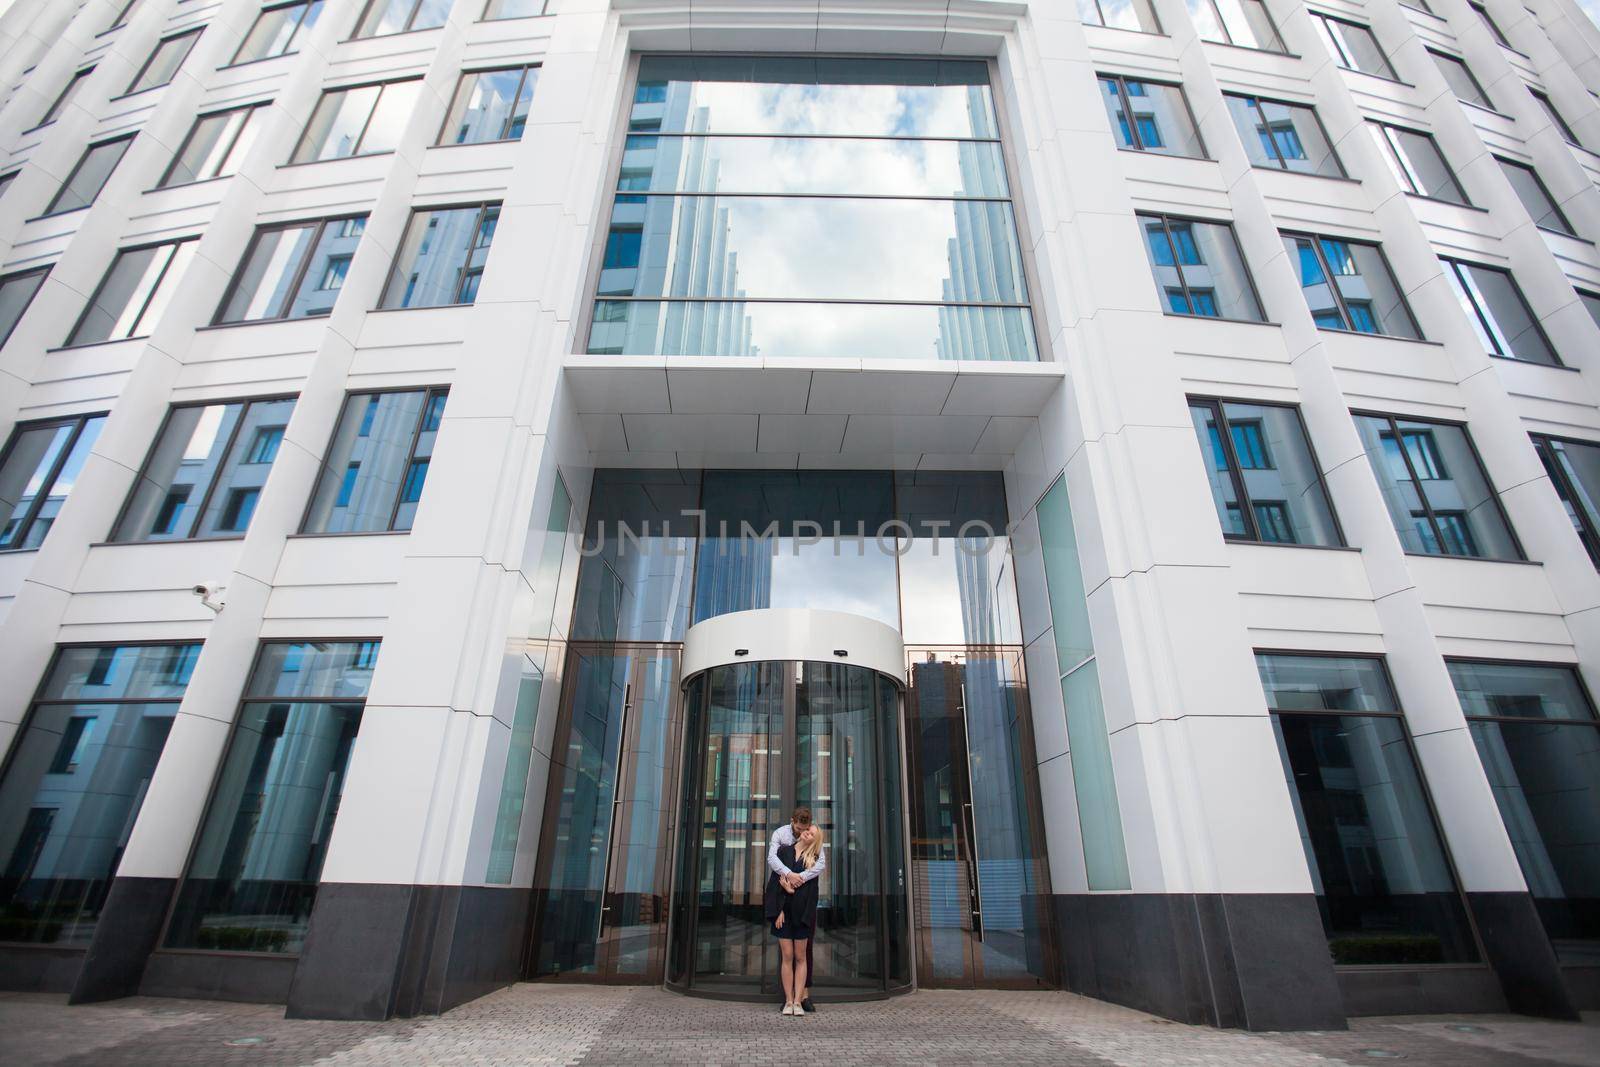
<point x="788" y="1009"/>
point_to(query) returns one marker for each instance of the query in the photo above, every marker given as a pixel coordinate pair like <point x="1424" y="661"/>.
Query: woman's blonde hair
<point x="808" y="852"/>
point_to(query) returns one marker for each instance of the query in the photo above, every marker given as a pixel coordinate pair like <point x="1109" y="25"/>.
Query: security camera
<point x="211" y="594"/>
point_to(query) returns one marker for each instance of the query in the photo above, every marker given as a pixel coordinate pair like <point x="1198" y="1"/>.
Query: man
<point x="788" y="834"/>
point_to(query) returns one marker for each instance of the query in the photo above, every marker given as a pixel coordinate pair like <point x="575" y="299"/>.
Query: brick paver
<point x="589" y="1026"/>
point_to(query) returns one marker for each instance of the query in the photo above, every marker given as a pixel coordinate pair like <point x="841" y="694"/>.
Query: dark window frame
<point x="1493" y="27"/>
<point x="440" y="142"/>
<point x="366" y="9"/>
<point x="1159" y="31"/>
<point x="183" y="146"/>
<point x="289" y="48"/>
<point x="151" y="58"/>
<point x="1123" y="98"/>
<point x="461" y="272"/>
<point x="324" y="471"/>
<point x="1386" y="128"/>
<point x="53" y="112"/>
<point x="1571" y="668"/>
<point x="1255" y="103"/>
<point x="1242" y="498"/>
<point x="78" y="423"/>
<point x="1460" y="61"/>
<point x="126" y="140"/>
<point x="122" y="18"/>
<point x="1588" y="533"/>
<point x="106" y="277"/>
<point x="298" y="278"/>
<point x="1340" y="52"/>
<point x="1329" y="275"/>
<point x="366" y="124"/>
<point x="1230" y="42"/>
<point x="1166" y="227"/>
<point x="1555" y="208"/>
<point x="44" y="276"/>
<point x="1556" y="119"/>
<point x="1453" y="265"/>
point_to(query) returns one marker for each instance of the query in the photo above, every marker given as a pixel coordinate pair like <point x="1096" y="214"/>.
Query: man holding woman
<point x="795" y="858"/>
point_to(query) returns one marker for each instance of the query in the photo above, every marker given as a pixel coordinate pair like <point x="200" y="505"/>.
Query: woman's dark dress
<point x="799" y="909"/>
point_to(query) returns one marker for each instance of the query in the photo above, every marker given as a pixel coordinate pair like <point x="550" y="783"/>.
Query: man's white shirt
<point x="784" y="835"/>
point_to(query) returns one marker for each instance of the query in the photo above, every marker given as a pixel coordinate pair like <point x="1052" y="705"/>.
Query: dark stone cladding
<point x="376" y="951"/>
<point x="124" y="936"/>
<point x="1399" y="990"/>
<point x="39" y="968"/>
<point x="1583" y="982"/>
<point x="252" y="977"/>
<point x="1257" y="961"/>
<point x="1520" y="953"/>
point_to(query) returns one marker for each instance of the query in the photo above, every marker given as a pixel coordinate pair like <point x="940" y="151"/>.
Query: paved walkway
<point x="589" y="1025"/>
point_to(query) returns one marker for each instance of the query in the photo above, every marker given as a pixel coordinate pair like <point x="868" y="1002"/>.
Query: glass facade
<point x="357" y="121"/>
<point x="215" y="145"/>
<point x="1417" y="163"/>
<point x="252" y="878"/>
<point x="1499" y="313"/>
<point x="292" y="271"/>
<point x="490" y="105"/>
<point x="374" y="470"/>
<point x="75" y="782"/>
<point x="40" y="465"/>
<point x="441" y="257"/>
<point x="1283" y="135"/>
<point x="1348" y="286"/>
<point x="1199" y="269"/>
<point x="1264" y="479"/>
<point x="278" y="31"/>
<point x="1149" y="116"/>
<point x="794" y="246"/>
<point x="135" y="291"/>
<point x="1574" y="470"/>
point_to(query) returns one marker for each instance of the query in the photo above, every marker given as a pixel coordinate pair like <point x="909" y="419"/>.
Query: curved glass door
<point x="759" y="739"/>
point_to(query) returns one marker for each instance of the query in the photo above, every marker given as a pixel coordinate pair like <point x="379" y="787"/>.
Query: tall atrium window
<point x="1353" y="46"/>
<point x="512" y="9"/>
<point x="373" y="473"/>
<point x="1539" y="740"/>
<point x="1505" y="325"/>
<point x="1417" y="163"/>
<point x="358" y="121"/>
<point x="66" y="96"/>
<point x="1378" y="863"/>
<point x="441" y="257"/>
<point x="16" y="293"/>
<point x="1150" y="116"/>
<point x="1348" y="286"/>
<point x="285" y="273"/>
<point x="278" y="31"/>
<point x="865" y="211"/>
<point x="1264" y="479"/>
<point x="38" y="468"/>
<point x="134" y="292"/>
<point x="383" y="17"/>
<point x="1245" y="23"/>
<point x="490" y="105"/>
<point x="252" y="879"/>
<point x="1287" y="136"/>
<point x="89" y="175"/>
<point x="1574" y="469"/>
<point x="163" y="64"/>
<point x="215" y="145"/>
<point x="76" y="780"/>
<point x="1525" y="182"/>
<point x="1199" y="269"/>
<point x="1461" y="80"/>
<point x="1439" y="498"/>
<point x="206" y="471"/>
<point x="1135" y="15"/>
<point x="1549" y="108"/>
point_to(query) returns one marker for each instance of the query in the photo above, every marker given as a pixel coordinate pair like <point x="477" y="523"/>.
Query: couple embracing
<point x="795" y="860"/>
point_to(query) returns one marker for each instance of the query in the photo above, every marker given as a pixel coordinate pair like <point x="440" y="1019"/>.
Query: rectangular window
<point x="16" y="294"/>
<point x="1200" y="268"/>
<point x="1535" y="197"/>
<point x="278" y="31"/>
<point x="122" y="16"/>
<point x="163" y="63"/>
<point x="440" y="257"/>
<point x="1287" y="136"/>
<point x="1536" y="733"/>
<point x="89" y="176"/>
<point x="215" y="145"/>
<point x="383" y="17"/>
<point x="240" y="506"/>
<point x="1353" y="46"/>
<point x="1378" y="863"/>
<point x="1417" y="163"/>
<point x="1264" y="478"/>
<point x="87" y="751"/>
<point x="1348" y="286"/>
<point x="67" y="96"/>
<point x="357" y="121"/>
<point x="1461" y="80"/>
<point x="373" y="473"/>
<point x="1136" y="15"/>
<point x="1574" y="470"/>
<point x="205" y="457"/>
<point x="253" y="877"/>
<point x="1244" y="23"/>
<point x="5" y="182"/>
<point x="490" y="105"/>
<point x="1438" y="495"/>
<point x="1490" y="25"/>
<point x="38" y="468"/>
<point x="512" y="9"/>
<point x="1150" y="116"/>
<point x="1555" y="118"/>
<point x="1505" y="325"/>
<point x="279" y="275"/>
<point x="134" y="293"/>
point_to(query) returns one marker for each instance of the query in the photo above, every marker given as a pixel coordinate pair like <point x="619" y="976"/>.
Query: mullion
<point x="149" y="298"/>
<point x="1127" y="112"/>
<point x="1475" y="298"/>
<point x="1272" y="137"/>
<point x="1235" y="471"/>
<point x="1227" y="35"/>
<point x="301" y="268"/>
<point x="1172" y="247"/>
<point x="377" y="102"/>
<point x="1422" y="494"/>
<point x="222" y="465"/>
<point x="511" y="116"/>
<point x="1333" y="286"/>
<point x="1407" y="167"/>
<point x="249" y="115"/>
<point x="466" y="260"/>
<point x="411" y="457"/>
<point x="49" y="483"/>
<point x="1588" y="535"/>
<point x="412" y="18"/>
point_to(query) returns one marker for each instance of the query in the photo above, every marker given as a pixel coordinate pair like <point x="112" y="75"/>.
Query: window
<point x="6" y="180"/>
<point x="1288" y="136"/>
<point x="207" y="457"/>
<point x="67" y="96"/>
<point x="1417" y="163"/>
<point x="373" y="472"/>
<point x="38" y="469"/>
<point x="1505" y="324"/>
<point x="1556" y="120"/>
<point x="163" y="63"/>
<point x="1536" y="733"/>
<point x="1348" y="286"/>
<point x="441" y="257"/>
<point x="89" y="176"/>
<point x="278" y="31"/>
<point x="253" y="877"/>
<point x="122" y="16"/>
<point x="1378" y="863"/>
<point x="1264" y="478"/>
<point x="1244" y="23"/>
<point x="1417" y="5"/>
<point x="1489" y="24"/>
<point x="134" y="292"/>
<point x="490" y="105"/>
<point x="383" y="17"/>
<point x="1135" y="15"/>
<point x="1199" y="269"/>
<point x="215" y="145"/>
<point x="1150" y="117"/>
<point x="1574" y="469"/>
<point x="1438" y="496"/>
<point x="1535" y="197"/>
<point x="1461" y="80"/>
<point x="16" y="293"/>
<point x="1353" y="46"/>
<point x="512" y="9"/>
<point x="87" y="751"/>
<point x="357" y="121"/>
<point x="279" y="275"/>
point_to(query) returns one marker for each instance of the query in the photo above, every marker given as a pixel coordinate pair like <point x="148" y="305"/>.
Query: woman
<point x="794" y="915"/>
